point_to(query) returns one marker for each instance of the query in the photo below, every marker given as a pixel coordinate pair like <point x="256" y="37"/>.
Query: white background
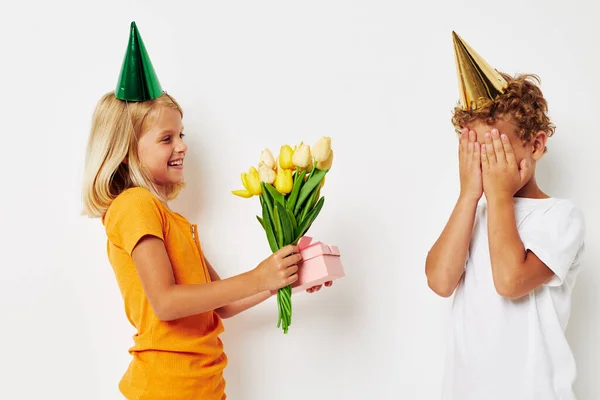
<point x="378" y="77"/>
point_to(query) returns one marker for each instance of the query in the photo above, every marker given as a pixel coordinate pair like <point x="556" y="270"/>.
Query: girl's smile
<point x="162" y="149"/>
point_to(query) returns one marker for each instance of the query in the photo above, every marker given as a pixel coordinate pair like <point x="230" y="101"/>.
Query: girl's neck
<point x="161" y="191"/>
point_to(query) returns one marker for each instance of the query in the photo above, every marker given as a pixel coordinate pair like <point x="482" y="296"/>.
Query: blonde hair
<point x="116" y="128"/>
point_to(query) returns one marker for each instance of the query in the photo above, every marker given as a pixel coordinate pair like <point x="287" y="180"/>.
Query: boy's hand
<point x="469" y="164"/>
<point x="502" y="176"/>
<point x="318" y="287"/>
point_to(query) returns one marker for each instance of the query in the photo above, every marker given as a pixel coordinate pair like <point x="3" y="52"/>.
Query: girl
<point x="172" y="294"/>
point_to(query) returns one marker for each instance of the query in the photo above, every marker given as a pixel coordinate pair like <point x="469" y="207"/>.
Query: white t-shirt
<point x="502" y="349"/>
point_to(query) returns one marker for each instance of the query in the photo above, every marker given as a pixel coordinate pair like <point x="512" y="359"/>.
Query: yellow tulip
<point x="284" y="181"/>
<point x="301" y="157"/>
<point x="242" y="193"/>
<point x="321" y="149"/>
<point x="309" y="169"/>
<point x="251" y="182"/>
<point x="285" y="157"/>
<point x="327" y="163"/>
<point x="310" y="166"/>
<point x="267" y="175"/>
<point x="266" y="157"/>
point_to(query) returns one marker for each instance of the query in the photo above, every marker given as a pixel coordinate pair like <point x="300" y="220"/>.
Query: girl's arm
<point x="230" y="310"/>
<point x="172" y="301"/>
<point x="237" y="307"/>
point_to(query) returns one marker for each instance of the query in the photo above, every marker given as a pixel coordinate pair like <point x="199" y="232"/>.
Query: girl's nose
<point x="181" y="147"/>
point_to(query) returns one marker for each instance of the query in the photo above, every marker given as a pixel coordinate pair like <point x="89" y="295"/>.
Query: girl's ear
<point x="539" y="145"/>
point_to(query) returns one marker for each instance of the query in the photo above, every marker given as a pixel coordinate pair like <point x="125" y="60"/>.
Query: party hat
<point x="137" y="81"/>
<point x="476" y="78"/>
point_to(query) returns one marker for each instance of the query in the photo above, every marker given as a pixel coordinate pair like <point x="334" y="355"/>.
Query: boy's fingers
<point x="469" y="140"/>
<point x="498" y="147"/>
<point x="462" y="140"/>
<point x="469" y="154"/>
<point x="472" y="136"/>
<point x="524" y="171"/>
<point x="484" y="158"/>
<point x="477" y="153"/>
<point x="489" y="149"/>
<point x="508" y="150"/>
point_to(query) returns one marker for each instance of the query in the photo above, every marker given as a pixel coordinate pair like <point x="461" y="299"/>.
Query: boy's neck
<point x="531" y="190"/>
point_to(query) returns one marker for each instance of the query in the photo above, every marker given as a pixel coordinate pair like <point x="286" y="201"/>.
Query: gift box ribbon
<point x="309" y="249"/>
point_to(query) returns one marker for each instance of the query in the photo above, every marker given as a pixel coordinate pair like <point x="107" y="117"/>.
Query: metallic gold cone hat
<point x="476" y="78"/>
<point x="137" y="81"/>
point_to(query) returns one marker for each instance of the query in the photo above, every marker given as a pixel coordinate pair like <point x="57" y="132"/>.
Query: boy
<point x="511" y="258"/>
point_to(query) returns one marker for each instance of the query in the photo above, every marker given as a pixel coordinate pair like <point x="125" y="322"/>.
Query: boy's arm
<point x="445" y="262"/>
<point x="516" y="272"/>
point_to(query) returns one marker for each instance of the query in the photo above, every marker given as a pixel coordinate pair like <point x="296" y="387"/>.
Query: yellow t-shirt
<point x="180" y="359"/>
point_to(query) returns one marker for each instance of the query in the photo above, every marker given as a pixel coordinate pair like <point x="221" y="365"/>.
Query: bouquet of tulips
<point x="289" y="190"/>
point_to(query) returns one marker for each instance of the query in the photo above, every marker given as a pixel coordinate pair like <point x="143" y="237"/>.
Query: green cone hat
<point x="138" y="80"/>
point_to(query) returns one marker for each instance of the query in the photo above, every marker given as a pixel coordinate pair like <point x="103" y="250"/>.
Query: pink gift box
<point x="320" y="263"/>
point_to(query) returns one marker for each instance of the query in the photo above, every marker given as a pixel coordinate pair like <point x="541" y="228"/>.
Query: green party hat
<point x="137" y="81"/>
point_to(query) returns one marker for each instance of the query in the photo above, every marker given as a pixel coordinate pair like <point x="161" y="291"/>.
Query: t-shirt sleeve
<point x="556" y="236"/>
<point x="133" y="215"/>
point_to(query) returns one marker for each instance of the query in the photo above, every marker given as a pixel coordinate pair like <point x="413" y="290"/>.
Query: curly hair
<point x="522" y="103"/>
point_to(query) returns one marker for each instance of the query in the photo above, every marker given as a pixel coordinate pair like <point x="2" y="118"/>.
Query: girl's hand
<point x="469" y="163"/>
<point x="279" y="269"/>
<point x="318" y="287"/>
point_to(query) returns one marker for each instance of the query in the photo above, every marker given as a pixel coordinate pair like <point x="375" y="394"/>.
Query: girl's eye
<point x="181" y="135"/>
<point x="166" y="138"/>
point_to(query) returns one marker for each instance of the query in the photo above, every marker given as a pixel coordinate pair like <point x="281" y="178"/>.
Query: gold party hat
<point x="476" y="78"/>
